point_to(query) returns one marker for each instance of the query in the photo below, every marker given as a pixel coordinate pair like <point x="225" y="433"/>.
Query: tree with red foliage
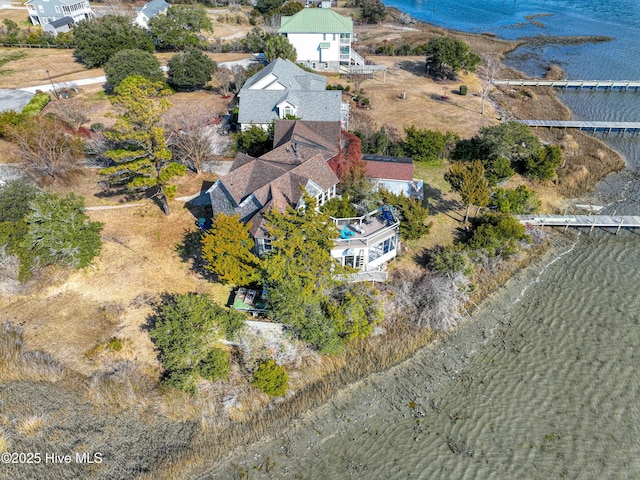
<point x="348" y="164"/>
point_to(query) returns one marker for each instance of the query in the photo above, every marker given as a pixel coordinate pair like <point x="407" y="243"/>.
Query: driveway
<point x="14" y="99"/>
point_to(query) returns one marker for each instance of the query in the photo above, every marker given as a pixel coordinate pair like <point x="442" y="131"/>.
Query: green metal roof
<point x="325" y="45"/>
<point x="316" y="20"/>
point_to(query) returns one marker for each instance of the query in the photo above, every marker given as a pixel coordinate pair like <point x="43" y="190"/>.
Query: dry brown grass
<point x="423" y="106"/>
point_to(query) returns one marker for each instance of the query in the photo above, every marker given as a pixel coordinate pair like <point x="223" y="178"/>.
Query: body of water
<point x="543" y="382"/>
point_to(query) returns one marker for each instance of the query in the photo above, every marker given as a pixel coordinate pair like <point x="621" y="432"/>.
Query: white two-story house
<point x="60" y="13"/>
<point x="322" y="38"/>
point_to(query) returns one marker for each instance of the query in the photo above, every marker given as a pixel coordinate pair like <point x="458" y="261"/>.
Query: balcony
<point x="368" y="229"/>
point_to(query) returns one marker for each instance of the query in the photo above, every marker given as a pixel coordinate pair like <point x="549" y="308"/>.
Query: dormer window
<point x="288" y="111"/>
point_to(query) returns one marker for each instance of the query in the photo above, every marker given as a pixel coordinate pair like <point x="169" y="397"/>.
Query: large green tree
<point x="302" y="292"/>
<point x="142" y="160"/>
<point x="126" y="63"/>
<point x="59" y="231"/>
<point x="226" y="248"/>
<point x="469" y="181"/>
<point x="373" y="11"/>
<point x="425" y="145"/>
<point x="254" y="141"/>
<point x="187" y="331"/>
<point x="501" y="148"/>
<point x="190" y="70"/>
<point x="98" y="40"/>
<point x="447" y="56"/>
<point x="278" y="46"/>
<point x="180" y="27"/>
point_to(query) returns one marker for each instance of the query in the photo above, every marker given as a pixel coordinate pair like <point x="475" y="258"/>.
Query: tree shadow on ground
<point x="422" y="258"/>
<point x="190" y="250"/>
<point x="439" y="204"/>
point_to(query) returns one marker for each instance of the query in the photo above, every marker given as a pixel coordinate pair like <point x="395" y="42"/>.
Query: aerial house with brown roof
<point x="299" y="160"/>
<point x="394" y="174"/>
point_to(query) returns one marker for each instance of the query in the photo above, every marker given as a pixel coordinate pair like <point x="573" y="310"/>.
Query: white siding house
<point x="44" y="12"/>
<point x="150" y="10"/>
<point x="321" y="37"/>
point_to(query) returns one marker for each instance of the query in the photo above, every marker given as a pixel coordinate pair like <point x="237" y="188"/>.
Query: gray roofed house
<point x="55" y="12"/>
<point x="283" y="89"/>
<point x="150" y="10"/>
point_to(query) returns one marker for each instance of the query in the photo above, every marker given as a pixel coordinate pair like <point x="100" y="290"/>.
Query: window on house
<point x="40" y="8"/>
<point x="57" y="9"/>
<point x="334" y="37"/>
<point x="324" y="36"/>
<point x="326" y="65"/>
<point x="288" y="111"/>
<point x="313" y="65"/>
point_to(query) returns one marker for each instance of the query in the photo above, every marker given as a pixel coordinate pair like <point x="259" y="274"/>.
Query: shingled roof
<point x="254" y="186"/>
<point x="388" y="168"/>
<point x="282" y="81"/>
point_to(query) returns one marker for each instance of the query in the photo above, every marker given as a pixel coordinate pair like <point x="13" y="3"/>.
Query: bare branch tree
<point x="49" y="152"/>
<point x="272" y="23"/>
<point x="189" y="130"/>
<point x="240" y="76"/>
<point x="224" y="79"/>
<point x="71" y="111"/>
<point x="487" y="72"/>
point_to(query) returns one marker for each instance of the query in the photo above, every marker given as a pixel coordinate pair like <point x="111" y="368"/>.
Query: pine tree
<point x="59" y="231"/>
<point x="227" y="249"/>
<point x="469" y="181"/>
<point x="143" y="161"/>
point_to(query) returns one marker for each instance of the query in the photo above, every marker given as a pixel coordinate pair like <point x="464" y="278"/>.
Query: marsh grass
<point x="31" y="426"/>
<point x="17" y="363"/>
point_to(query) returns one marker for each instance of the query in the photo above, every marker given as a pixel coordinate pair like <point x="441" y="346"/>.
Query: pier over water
<point x="622" y="85"/>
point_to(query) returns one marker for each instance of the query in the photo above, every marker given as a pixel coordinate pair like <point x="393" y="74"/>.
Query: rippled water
<point x="543" y="382"/>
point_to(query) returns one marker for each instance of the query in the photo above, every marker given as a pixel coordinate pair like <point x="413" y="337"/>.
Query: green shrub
<point x="339" y="208"/>
<point x="215" y="366"/>
<point x="518" y="201"/>
<point x="412" y="214"/>
<point x="10" y="119"/>
<point x="115" y="344"/>
<point x="271" y="378"/>
<point x="37" y="103"/>
<point x="449" y="259"/>
<point x="186" y="330"/>
<point x="497" y="235"/>
<point x="97" y="127"/>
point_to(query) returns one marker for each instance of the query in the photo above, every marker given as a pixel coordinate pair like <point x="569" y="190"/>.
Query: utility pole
<point x="55" y="92"/>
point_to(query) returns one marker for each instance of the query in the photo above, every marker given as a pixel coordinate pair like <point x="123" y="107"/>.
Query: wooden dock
<point x="589" y="221"/>
<point x="593" y="126"/>
<point x="622" y="85"/>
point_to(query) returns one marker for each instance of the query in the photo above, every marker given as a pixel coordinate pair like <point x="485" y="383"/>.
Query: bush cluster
<point x="36" y="104"/>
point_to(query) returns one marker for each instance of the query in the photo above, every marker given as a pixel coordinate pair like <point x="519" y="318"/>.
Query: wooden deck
<point x="590" y="221"/>
<point x="594" y="126"/>
<point x="622" y="85"/>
